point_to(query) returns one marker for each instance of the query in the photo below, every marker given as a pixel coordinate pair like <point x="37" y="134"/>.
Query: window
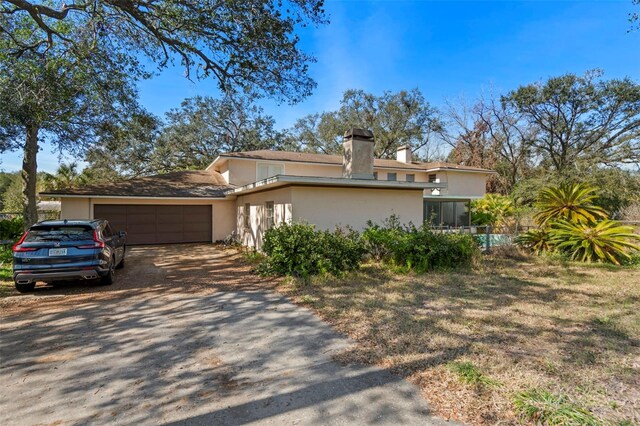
<point x="375" y="175"/>
<point x="267" y="170"/>
<point x="392" y="176"/>
<point x="269" y="213"/>
<point x="447" y="213"/>
<point x="247" y="215"/>
<point x="432" y="178"/>
<point x="59" y="233"/>
<point x="411" y="178"/>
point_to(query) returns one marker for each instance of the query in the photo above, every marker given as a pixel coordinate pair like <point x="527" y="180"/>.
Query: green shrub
<point x="492" y="209"/>
<point x="11" y="229"/>
<point x="298" y="249"/>
<point x="420" y="249"/>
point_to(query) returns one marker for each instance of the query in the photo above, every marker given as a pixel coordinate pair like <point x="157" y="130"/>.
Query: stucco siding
<point x="252" y="235"/>
<point x="461" y="184"/>
<point x="75" y="208"/>
<point x="330" y="207"/>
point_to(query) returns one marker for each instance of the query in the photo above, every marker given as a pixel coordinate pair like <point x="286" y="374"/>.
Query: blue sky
<point x="447" y="49"/>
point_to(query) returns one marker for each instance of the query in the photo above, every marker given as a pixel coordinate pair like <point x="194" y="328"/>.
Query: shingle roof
<point x="191" y="183"/>
<point x="305" y="157"/>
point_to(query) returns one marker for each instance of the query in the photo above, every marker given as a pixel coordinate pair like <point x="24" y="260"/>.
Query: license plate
<point x="58" y="252"/>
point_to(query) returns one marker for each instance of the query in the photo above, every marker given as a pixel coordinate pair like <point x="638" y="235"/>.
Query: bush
<point x="11" y="229"/>
<point x="420" y="249"/>
<point x="492" y="209"/>
<point x="298" y="249"/>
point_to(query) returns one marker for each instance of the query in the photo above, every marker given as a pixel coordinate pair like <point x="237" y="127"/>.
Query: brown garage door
<point x="155" y="224"/>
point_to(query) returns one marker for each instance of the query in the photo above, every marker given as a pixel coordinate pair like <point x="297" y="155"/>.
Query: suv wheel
<point x="108" y="278"/>
<point x="25" y="288"/>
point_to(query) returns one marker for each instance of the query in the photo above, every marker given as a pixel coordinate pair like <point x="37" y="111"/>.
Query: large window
<point x="267" y="170"/>
<point x="447" y="213"/>
<point x="269" y="219"/>
<point x="392" y="176"/>
<point x="411" y="178"/>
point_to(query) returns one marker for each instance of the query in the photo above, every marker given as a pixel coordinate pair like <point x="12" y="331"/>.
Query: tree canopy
<point x="190" y="137"/>
<point x="582" y="120"/>
<point x="396" y="119"/>
<point x="249" y="45"/>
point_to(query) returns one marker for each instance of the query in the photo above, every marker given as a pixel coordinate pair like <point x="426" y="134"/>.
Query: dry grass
<point x="482" y="343"/>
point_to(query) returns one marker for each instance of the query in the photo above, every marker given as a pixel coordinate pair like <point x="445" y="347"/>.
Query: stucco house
<point x="245" y="193"/>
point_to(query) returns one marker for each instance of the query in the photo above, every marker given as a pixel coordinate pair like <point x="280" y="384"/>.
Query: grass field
<point x="517" y="339"/>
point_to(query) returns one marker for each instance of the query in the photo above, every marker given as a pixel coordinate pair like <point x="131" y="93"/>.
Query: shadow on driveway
<point x="177" y="355"/>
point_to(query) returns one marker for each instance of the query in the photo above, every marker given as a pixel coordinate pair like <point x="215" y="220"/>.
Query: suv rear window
<point x="59" y="233"/>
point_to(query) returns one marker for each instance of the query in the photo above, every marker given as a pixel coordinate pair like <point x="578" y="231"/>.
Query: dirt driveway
<point x="187" y="335"/>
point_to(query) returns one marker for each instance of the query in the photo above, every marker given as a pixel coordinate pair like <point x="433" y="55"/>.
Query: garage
<point x="158" y="224"/>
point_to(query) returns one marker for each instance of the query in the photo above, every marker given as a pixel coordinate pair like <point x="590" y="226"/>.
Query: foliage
<point x="538" y="240"/>
<point x="11" y="229"/>
<point x="573" y="202"/>
<point x="250" y="45"/>
<point x="420" y="249"/>
<point x="402" y="118"/>
<point x="491" y="135"/>
<point x="66" y="176"/>
<point x="379" y="240"/>
<point x="492" y="209"/>
<point x="605" y="241"/>
<point x="192" y="136"/>
<point x="298" y="249"/>
<point x="581" y="120"/>
<point x="126" y="149"/>
<point x="470" y="374"/>
<point x="63" y="95"/>
<point x="542" y="407"/>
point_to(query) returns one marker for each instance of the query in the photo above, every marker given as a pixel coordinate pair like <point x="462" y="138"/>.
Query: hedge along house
<point x="246" y="193"/>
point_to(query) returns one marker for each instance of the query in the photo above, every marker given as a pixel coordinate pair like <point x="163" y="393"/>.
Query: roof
<point x="306" y="157"/>
<point x="184" y="184"/>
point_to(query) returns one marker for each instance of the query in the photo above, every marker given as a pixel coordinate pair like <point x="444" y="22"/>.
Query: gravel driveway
<point x="187" y="335"/>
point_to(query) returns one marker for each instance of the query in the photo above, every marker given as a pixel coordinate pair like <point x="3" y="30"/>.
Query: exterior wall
<point x="243" y="172"/>
<point x="75" y="208"/>
<point x="252" y="236"/>
<point x="329" y="207"/>
<point x="461" y="184"/>
<point x="223" y="214"/>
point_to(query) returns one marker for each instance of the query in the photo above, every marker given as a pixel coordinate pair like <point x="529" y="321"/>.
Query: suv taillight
<point x="97" y="242"/>
<point x="17" y="247"/>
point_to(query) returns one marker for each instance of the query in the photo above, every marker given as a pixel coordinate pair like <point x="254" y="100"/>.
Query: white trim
<point x="134" y="197"/>
<point x="416" y="168"/>
<point x="452" y="197"/>
<point x="282" y="180"/>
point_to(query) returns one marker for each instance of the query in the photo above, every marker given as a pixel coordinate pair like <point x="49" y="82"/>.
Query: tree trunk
<point x="30" y="177"/>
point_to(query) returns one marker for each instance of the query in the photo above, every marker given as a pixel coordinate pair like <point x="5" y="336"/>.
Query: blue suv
<point x="56" y="250"/>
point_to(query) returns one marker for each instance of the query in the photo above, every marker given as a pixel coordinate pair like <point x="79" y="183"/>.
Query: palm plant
<point x="572" y="202"/>
<point x="492" y="209"/>
<point x="67" y="176"/>
<point x="537" y="240"/>
<point x="605" y="241"/>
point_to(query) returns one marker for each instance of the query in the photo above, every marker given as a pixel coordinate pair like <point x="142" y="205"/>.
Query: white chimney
<point x="403" y="154"/>
<point x="358" y="146"/>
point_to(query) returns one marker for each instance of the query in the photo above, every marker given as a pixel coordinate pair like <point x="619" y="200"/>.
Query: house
<point x="245" y="193"/>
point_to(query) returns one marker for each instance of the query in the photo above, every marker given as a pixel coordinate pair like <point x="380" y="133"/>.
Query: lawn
<point x="516" y="339"/>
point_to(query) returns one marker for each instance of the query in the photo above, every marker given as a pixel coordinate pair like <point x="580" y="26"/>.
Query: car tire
<point x="107" y="279"/>
<point x="25" y="288"/>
